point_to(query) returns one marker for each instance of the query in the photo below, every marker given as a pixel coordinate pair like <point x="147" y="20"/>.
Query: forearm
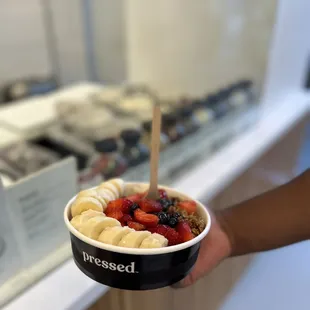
<point x="276" y="218"/>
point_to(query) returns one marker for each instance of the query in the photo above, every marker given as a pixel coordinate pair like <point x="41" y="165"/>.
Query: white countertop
<point x="67" y="288"/>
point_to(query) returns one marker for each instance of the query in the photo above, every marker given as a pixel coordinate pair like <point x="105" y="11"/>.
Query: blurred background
<point x="79" y="78"/>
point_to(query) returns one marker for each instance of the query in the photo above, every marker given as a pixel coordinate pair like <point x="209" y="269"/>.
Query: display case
<point x="111" y="138"/>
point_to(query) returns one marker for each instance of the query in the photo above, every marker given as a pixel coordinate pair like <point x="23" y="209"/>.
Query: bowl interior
<point x="131" y="188"/>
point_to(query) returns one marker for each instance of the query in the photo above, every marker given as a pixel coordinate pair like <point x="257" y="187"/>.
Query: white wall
<point x="166" y="43"/>
<point x="23" y="46"/>
<point x="68" y="23"/>
<point x="22" y="43"/>
<point x="290" y="49"/>
<point x="181" y="46"/>
<point x="110" y="39"/>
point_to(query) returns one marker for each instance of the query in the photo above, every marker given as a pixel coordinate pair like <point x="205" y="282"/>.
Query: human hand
<point x="215" y="247"/>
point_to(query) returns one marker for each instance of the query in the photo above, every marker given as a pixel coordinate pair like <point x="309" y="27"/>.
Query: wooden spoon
<point x="155" y="149"/>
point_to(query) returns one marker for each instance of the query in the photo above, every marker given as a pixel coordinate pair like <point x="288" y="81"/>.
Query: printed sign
<point x="36" y="206"/>
<point x="10" y="258"/>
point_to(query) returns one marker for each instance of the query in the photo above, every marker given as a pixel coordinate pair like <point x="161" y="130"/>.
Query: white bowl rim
<point x="138" y="251"/>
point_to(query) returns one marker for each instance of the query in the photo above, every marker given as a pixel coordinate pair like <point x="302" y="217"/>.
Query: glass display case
<point x="109" y="141"/>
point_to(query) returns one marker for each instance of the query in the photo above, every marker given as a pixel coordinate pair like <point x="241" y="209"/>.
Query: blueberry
<point x="177" y="215"/>
<point x="173" y="222"/>
<point x="166" y="203"/>
<point x="163" y="217"/>
<point x="165" y="208"/>
<point x="134" y="207"/>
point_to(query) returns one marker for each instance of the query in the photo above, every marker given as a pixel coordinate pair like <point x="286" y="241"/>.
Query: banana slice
<point x="120" y="185"/>
<point x="95" y="226"/>
<point x="135" y="189"/>
<point x="154" y="241"/>
<point x="134" y="239"/>
<point x="75" y="222"/>
<point x="105" y="195"/>
<point x="79" y="220"/>
<point x="113" y="235"/>
<point x="109" y="187"/>
<point x="85" y="203"/>
<point x="91" y="193"/>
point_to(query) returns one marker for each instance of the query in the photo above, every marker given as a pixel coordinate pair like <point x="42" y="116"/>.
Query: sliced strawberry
<point x="162" y="194"/>
<point x="126" y="205"/>
<point x="159" y="229"/>
<point x="188" y="205"/>
<point x="125" y="219"/>
<point x="121" y="204"/>
<point x="171" y="234"/>
<point x="116" y="214"/>
<point x="135" y="225"/>
<point x="173" y="237"/>
<point x="136" y="197"/>
<point x="149" y="220"/>
<point x="185" y="231"/>
<point x="148" y="205"/>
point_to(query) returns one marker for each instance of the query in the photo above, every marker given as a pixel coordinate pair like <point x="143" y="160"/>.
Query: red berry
<point x="121" y="204"/>
<point x="173" y="237"/>
<point x="116" y="214"/>
<point x="149" y="220"/>
<point x="171" y="234"/>
<point x="126" y="205"/>
<point x="135" y="225"/>
<point x="125" y="219"/>
<point x="136" y="197"/>
<point x="189" y="206"/>
<point x="185" y="231"/>
<point x="159" y="229"/>
<point x="162" y="194"/>
<point x="148" y="205"/>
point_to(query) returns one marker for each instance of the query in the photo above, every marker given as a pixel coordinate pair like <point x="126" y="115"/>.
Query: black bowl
<point x="131" y="268"/>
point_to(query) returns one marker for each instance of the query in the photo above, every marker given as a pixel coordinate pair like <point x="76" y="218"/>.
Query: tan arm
<point x="274" y="219"/>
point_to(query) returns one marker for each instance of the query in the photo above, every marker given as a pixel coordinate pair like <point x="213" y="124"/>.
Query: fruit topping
<point x="125" y="219"/>
<point x="171" y="234"/>
<point x="121" y="204"/>
<point x="177" y="215"/>
<point x="116" y="214"/>
<point x="135" y="226"/>
<point x="146" y="219"/>
<point x="173" y="237"/>
<point x="165" y="203"/>
<point x="159" y="229"/>
<point x="162" y="194"/>
<point x="136" y="197"/>
<point x="184" y="231"/>
<point x="134" y="207"/>
<point x="163" y="217"/>
<point x="173" y="221"/>
<point x="128" y="221"/>
<point x="148" y="205"/>
<point x="188" y="205"/>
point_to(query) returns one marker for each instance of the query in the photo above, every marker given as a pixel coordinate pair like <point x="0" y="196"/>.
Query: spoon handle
<point x="155" y="149"/>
